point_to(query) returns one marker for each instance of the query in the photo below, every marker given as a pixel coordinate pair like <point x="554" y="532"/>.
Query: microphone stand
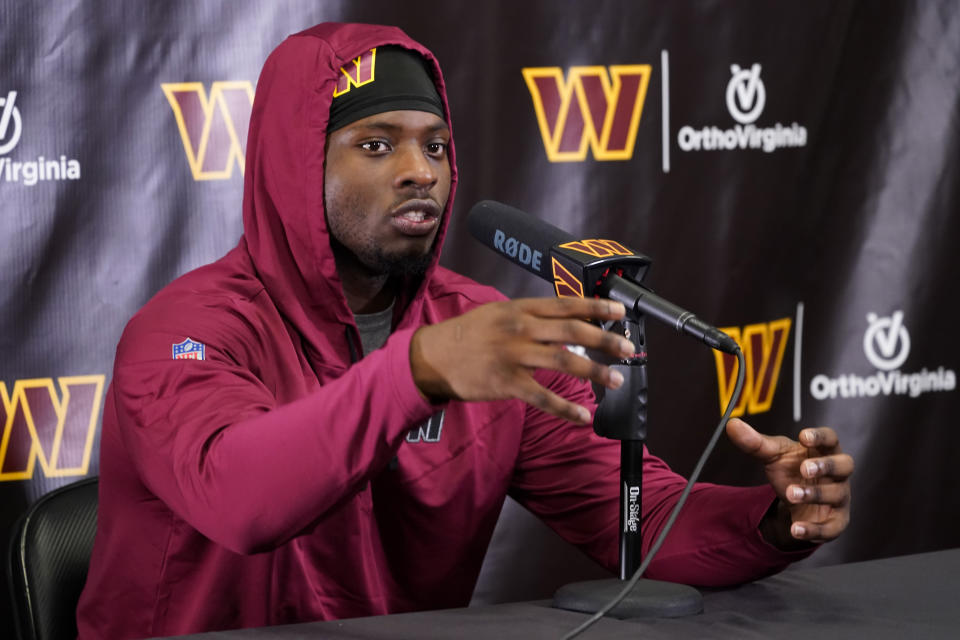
<point x="622" y="415"/>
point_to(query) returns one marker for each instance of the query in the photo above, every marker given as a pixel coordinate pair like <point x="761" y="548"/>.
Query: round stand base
<point x="648" y="599"/>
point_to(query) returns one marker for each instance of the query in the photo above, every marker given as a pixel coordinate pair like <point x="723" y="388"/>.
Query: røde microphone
<point x="583" y="268"/>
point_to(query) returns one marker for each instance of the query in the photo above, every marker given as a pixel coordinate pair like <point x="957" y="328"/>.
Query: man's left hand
<point x="811" y="478"/>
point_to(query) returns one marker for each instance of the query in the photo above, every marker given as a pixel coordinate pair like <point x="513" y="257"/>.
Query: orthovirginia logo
<point x="763" y="346"/>
<point x="746" y="94"/>
<point x="593" y="107"/>
<point x="886" y="342"/>
<point x="55" y="429"/>
<point x="886" y="345"/>
<point x="11" y="125"/>
<point x="746" y="98"/>
<point x="213" y="127"/>
<point x="29" y="172"/>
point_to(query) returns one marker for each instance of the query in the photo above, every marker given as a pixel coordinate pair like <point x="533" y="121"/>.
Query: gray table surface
<point x="909" y="597"/>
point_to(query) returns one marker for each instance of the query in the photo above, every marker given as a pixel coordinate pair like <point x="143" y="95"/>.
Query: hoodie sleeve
<point x="209" y="439"/>
<point x="569" y="477"/>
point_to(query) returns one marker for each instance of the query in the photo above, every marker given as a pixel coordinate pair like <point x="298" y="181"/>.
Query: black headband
<point x="388" y="78"/>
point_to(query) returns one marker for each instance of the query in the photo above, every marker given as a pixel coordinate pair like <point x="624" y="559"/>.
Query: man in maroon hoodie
<point x="325" y="423"/>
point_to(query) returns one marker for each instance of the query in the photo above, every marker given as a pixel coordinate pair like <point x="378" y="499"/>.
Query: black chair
<point x="49" y="556"/>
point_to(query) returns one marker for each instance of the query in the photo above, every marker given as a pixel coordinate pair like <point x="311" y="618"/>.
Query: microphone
<point x="582" y="268"/>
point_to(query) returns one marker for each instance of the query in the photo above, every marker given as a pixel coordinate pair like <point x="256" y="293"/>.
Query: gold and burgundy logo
<point x="49" y="422"/>
<point x="593" y="108"/>
<point x="568" y="285"/>
<point x="598" y="248"/>
<point x="356" y="73"/>
<point x="213" y="121"/>
<point x="763" y="346"/>
<point x="213" y="125"/>
<point x="565" y="283"/>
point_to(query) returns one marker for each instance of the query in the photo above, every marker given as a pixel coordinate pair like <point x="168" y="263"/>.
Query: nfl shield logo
<point x="188" y="350"/>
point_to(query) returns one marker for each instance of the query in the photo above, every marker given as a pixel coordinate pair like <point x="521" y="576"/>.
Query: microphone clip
<point x="622" y="412"/>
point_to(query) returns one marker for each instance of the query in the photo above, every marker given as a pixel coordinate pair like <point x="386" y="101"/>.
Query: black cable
<point x="676" y="509"/>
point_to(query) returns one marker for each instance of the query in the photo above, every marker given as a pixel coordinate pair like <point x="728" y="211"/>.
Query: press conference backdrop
<point x="792" y="168"/>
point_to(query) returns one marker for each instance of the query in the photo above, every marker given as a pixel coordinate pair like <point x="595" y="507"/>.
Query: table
<point x="913" y="597"/>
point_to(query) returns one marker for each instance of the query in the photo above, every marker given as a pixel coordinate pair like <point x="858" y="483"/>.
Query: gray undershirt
<point x="374" y="328"/>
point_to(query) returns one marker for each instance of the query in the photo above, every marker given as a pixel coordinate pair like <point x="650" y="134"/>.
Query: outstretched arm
<point x="490" y="353"/>
<point x="811" y="477"/>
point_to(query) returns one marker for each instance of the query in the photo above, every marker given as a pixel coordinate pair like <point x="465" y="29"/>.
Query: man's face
<point x="386" y="182"/>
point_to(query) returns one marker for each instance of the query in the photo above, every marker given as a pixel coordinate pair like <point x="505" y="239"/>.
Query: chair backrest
<point x="49" y="556"/>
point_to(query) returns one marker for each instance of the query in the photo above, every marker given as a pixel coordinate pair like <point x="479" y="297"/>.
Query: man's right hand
<point x="490" y="353"/>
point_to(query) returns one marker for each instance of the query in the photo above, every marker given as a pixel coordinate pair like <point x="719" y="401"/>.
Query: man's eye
<point x="374" y="146"/>
<point x="436" y="148"/>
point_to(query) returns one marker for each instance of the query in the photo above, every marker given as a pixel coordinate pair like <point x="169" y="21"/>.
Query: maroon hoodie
<point x="253" y="473"/>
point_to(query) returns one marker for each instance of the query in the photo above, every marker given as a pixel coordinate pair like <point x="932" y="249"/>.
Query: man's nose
<point x="414" y="168"/>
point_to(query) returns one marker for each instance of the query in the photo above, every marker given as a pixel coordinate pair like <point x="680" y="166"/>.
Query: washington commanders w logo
<point x="213" y="127"/>
<point x="356" y="73"/>
<point x="763" y="346"/>
<point x="598" y="248"/>
<point x="592" y="108"/>
<point x="565" y="283"/>
<point x="56" y="429"/>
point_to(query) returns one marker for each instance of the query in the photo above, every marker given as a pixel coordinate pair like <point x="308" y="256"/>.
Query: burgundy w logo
<point x="763" y="346"/>
<point x="598" y="248"/>
<point x="592" y="108"/>
<point x="53" y="428"/>
<point x="213" y="128"/>
<point x="356" y="73"/>
<point x="565" y="283"/>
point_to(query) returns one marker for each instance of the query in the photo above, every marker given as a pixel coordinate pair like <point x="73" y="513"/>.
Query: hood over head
<point x="284" y="219"/>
